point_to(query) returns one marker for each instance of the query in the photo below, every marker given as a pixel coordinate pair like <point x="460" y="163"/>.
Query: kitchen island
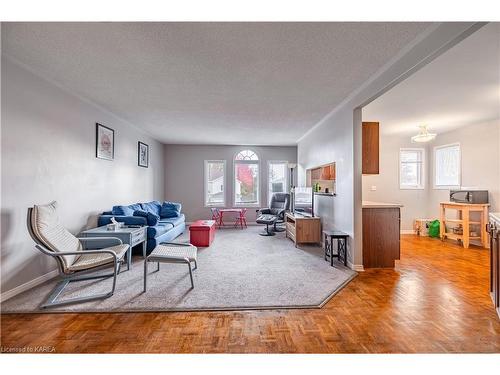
<point x="381" y="234"/>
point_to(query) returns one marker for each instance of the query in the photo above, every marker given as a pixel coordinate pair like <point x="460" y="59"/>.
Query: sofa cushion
<point x="135" y="206"/>
<point x="151" y="218"/>
<point x="127" y="220"/>
<point x="175" y="221"/>
<point x="170" y="209"/>
<point x="153" y="207"/>
<point x="122" y="211"/>
<point x="158" y="230"/>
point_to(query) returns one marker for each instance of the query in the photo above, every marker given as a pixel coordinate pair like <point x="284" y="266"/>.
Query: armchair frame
<point x="66" y="278"/>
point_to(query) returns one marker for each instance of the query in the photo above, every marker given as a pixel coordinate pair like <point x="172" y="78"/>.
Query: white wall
<point x="184" y="165"/>
<point x="332" y="144"/>
<point x="48" y="153"/>
<point x="338" y="136"/>
<point x="480" y="154"/>
<point x="480" y="149"/>
<point x="387" y="182"/>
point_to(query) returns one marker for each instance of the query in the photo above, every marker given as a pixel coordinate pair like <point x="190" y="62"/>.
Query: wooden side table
<point x="341" y="238"/>
<point x="302" y="229"/>
<point x="132" y="236"/>
<point x="464" y="219"/>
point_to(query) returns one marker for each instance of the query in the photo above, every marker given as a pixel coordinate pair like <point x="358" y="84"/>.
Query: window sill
<point x="411" y="188"/>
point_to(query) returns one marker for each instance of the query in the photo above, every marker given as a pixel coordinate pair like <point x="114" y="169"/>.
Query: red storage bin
<point x="202" y="233"/>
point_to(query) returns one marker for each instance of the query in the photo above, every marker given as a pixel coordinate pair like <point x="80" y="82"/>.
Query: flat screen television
<point x="303" y="201"/>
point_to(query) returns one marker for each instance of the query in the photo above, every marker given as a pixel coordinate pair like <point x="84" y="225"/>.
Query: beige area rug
<point x="240" y="270"/>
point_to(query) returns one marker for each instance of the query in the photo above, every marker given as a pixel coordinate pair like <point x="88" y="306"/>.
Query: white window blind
<point x="447" y="166"/>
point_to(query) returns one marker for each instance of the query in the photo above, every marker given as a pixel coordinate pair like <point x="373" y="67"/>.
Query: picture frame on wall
<point x="143" y="155"/>
<point x="104" y="142"/>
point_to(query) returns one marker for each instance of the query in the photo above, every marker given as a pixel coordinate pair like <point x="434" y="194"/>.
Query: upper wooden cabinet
<point x="324" y="175"/>
<point x="328" y="172"/>
<point x="370" y="136"/>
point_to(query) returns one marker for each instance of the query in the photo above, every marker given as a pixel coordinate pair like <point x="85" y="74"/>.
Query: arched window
<point x="246" y="155"/>
<point x="246" y="179"/>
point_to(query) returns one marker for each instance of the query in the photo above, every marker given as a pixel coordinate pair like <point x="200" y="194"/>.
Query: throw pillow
<point x="122" y="211"/>
<point x="151" y="218"/>
<point x="153" y="207"/>
<point x="170" y="209"/>
<point x="135" y="206"/>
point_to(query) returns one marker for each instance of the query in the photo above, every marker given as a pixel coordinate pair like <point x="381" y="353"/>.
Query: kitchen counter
<point x="381" y="234"/>
<point x="369" y="204"/>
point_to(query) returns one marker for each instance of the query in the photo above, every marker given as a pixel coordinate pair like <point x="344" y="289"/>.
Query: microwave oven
<point x="469" y="196"/>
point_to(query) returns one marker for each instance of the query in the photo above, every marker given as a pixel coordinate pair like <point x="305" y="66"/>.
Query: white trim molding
<point x="421" y="168"/>
<point x="407" y="231"/>
<point x="355" y="267"/>
<point x="26" y="286"/>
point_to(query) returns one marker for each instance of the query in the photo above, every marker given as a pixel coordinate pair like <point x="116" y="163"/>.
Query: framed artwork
<point x="143" y="155"/>
<point x="104" y="142"/>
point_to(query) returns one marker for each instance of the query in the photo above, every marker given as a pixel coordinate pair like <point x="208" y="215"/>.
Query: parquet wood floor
<point x="436" y="300"/>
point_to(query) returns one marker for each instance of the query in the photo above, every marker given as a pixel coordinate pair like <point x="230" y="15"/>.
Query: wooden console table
<point x="464" y="219"/>
<point x="303" y="229"/>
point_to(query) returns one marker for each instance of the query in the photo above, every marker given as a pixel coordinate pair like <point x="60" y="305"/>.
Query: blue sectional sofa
<point x="165" y="221"/>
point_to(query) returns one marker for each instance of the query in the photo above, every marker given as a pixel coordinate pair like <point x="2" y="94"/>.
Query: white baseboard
<point x="30" y="284"/>
<point x="407" y="231"/>
<point x="355" y="267"/>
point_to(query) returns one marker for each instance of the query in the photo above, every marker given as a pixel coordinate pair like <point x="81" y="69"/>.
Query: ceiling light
<point x="423" y="135"/>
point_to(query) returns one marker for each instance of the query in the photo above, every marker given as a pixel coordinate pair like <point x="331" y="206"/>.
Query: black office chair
<point x="280" y="202"/>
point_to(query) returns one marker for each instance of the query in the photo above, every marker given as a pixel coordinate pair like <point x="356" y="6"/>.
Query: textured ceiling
<point x="460" y="87"/>
<point x="211" y="83"/>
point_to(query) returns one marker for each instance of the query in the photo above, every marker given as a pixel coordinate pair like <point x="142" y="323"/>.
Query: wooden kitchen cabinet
<point x="381" y="235"/>
<point x="494" y="232"/>
<point x="370" y="140"/>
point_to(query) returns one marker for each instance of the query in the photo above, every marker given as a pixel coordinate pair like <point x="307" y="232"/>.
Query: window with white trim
<point x="411" y="168"/>
<point x="246" y="179"/>
<point x="277" y="178"/>
<point x="215" y="182"/>
<point x="447" y="166"/>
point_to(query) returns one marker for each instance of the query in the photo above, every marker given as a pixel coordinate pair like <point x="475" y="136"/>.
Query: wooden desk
<point x="464" y="219"/>
<point x="303" y="229"/>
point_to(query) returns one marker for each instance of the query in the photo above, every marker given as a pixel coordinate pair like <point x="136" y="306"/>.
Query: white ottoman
<point x="172" y="253"/>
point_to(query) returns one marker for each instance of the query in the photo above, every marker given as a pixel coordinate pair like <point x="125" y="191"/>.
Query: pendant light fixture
<point x="423" y="136"/>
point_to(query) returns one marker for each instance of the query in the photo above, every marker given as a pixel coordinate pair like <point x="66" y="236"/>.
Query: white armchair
<point x="54" y="240"/>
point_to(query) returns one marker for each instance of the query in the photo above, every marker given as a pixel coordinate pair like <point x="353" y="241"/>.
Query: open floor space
<point x="264" y="187"/>
<point x="435" y="301"/>
<point x="240" y="270"/>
